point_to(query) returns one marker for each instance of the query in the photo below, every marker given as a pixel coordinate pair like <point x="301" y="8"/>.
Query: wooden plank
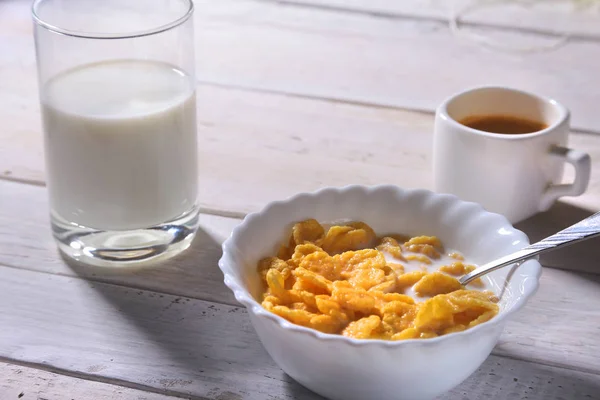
<point x="26" y="242"/>
<point x="274" y="146"/>
<point x="562" y="309"/>
<point x="25" y="383"/>
<point x="502" y="378"/>
<point x="332" y="142"/>
<point x="541" y="330"/>
<point x="24" y="217"/>
<point x="494" y="380"/>
<point x="389" y="62"/>
<point x="578" y="20"/>
<point x="357" y="57"/>
<point x="170" y="343"/>
<point x="195" y="348"/>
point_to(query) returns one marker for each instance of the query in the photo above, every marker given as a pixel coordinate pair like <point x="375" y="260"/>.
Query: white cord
<point x="486" y="41"/>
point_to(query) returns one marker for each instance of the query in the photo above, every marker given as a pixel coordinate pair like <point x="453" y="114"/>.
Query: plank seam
<point x="16" y="179"/>
<point x="203" y="210"/>
<point x="547" y="363"/>
<point x="167" y="392"/>
<point x="351" y="102"/>
<point x="99" y="379"/>
<point x="3" y="264"/>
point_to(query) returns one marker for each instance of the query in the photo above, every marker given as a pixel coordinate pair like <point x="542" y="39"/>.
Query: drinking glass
<point x="117" y="95"/>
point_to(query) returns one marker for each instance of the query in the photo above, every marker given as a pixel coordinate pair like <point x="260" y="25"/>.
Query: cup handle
<point x="583" y="166"/>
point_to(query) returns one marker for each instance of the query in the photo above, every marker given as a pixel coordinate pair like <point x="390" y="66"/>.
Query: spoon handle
<point x="583" y="230"/>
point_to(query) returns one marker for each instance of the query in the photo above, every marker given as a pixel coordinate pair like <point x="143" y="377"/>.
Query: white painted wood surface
<point x="26" y="243"/>
<point x="336" y="55"/>
<point x="188" y="346"/>
<point x="578" y="20"/>
<point x="374" y="60"/>
<point x="327" y="88"/>
<point x="534" y="334"/>
<point x="25" y="383"/>
<point x="313" y="143"/>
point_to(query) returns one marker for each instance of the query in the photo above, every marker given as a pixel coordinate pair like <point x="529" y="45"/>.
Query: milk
<point x="445" y="259"/>
<point x="121" y="149"/>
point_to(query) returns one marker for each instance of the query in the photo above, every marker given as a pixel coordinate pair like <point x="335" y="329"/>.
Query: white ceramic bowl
<point x="341" y="368"/>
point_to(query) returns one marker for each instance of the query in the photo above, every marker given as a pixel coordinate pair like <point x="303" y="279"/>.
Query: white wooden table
<point x="331" y="92"/>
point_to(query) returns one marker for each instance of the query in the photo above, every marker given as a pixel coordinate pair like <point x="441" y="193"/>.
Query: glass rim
<point x="99" y="35"/>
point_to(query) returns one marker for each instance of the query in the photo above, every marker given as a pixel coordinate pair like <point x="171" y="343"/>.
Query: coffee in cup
<point x="505" y="149"/>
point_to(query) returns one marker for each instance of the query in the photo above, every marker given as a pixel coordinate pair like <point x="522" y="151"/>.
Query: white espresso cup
<point x="516" y="175"/>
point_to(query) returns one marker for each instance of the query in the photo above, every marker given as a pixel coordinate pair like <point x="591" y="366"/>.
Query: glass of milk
<point x="117" y="94"/>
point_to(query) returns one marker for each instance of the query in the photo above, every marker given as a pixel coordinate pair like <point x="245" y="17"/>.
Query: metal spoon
<point x="583" y="230"/>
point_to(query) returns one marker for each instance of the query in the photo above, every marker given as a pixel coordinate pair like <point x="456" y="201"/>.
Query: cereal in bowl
<point x="344" y="279"/>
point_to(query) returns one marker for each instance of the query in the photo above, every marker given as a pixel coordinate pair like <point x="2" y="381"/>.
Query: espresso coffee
<point x="503" y="124"/>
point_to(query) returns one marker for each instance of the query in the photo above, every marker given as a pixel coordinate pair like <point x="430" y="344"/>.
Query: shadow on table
<point x="205" y="349"/>
<point x="194" y="273"/>
<point x="581" y="257"/>
<point x="502" y="378"/>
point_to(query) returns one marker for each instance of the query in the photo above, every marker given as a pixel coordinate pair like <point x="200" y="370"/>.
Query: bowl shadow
<point x="181" y="310"/>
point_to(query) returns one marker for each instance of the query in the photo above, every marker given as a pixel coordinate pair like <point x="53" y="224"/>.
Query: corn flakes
<point x="340" y="238"/>
<point x="458" y="268"/>
<point x="436" y="283"/>
<point x="410" y="278"/>
<point x="338" y="280"/>
<point x="456" y="256"/>
<point x="391" y="246"/>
